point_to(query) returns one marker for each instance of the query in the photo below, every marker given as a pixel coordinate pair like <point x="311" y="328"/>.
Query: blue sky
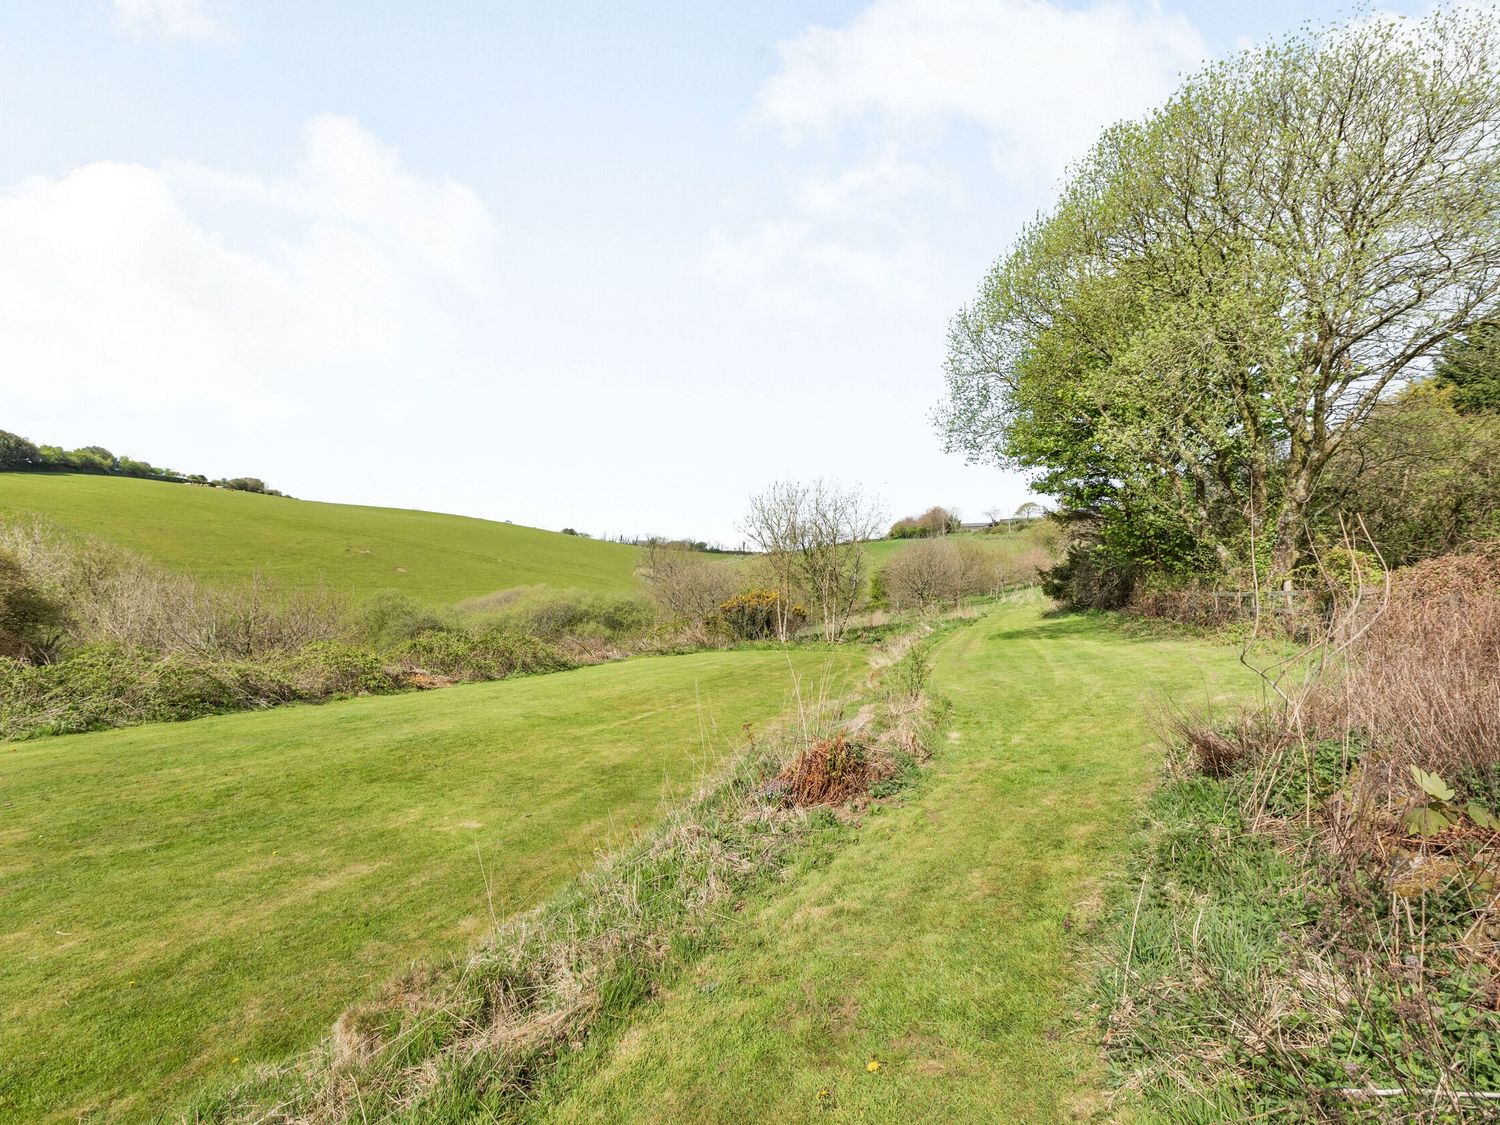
<point x="611" y="266"/>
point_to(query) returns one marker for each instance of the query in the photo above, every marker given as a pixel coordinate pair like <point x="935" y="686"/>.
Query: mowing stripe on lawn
<point x="178" y="897"/>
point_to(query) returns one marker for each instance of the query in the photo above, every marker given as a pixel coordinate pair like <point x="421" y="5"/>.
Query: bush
<point x="556" y="615"/>
<point x="30" y="620"/>
<point x="752" y="616"/>
<point x="247" y="484"/>
<point x="114" y="597"/>
<point x="687" y="585"/>
<point x="923" y="575"/>
<point x="1090" y="577"/>
<point x="930" y="524"/>
<point x="950" y="569"/>
<point x="1422" y="687"/>
<point x="1331" y="856"/>
<point x="328" y="668"/>
<point x="112" y="686"/>
<point x="391" y="617"/>
<point x="491" y="655"/>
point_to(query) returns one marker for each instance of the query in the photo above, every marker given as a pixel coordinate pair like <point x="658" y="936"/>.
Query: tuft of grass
<point x="222" y="537"/>
<point x="179" y="897"/>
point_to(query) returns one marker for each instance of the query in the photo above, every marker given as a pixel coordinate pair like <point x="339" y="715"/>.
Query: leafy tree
<point x="1424" y="477"/>
<point x="92" y="459"/>
<point x="18" y="453"/>
<point x="247" y="484"/>
<point x="934" y="521"/>
<point x="1228" y="288"/>
<point x="1470" y="365"/>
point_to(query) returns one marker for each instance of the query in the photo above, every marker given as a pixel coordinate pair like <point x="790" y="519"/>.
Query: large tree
<point x="18" y="453"/>
<point x="1227" y="288"/>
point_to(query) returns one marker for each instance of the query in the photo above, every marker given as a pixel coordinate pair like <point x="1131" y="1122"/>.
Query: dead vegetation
<point x="1318" y="924"/>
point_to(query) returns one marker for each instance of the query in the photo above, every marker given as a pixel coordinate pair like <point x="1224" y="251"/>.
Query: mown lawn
<point x="937" y="943"/>
<point x="180" y="897"/>
<point x="225" y="536"/>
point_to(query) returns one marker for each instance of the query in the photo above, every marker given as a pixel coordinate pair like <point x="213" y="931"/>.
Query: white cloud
<point x="182" y="289"/>
<point x="875" y="189"/>
<point x="192" y="20"/>
<point x="1039" y="78"/>
<point x="1029" y="83"/>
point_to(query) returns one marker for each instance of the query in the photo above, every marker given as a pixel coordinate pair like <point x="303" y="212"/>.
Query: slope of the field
<point x="1007" y="544"/>
<point x="936" y="946"/>
<point x="177" y="898"/>
<point x="220" y="535"/>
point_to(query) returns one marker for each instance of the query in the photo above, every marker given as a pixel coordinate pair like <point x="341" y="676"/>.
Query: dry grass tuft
<point x="1423" y="685"/>
<point x="829" y="772"/>
<point x="1380" y="946"/>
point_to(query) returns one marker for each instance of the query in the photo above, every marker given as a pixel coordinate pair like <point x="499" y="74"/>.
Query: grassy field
<point x="1012" y="543"/>
<point x="181" y="897"/>
<point x="935" y="945"/>
<point x="220" y="535"/>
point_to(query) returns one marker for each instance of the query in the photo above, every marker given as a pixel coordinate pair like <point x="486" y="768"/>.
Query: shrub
<point x="828" y="772"/>
<point x="390" y="617"/>
<point x="688" y="586"/>
<point x="752" y="616"/>
<point x="30" y="620"/>
<point x="104" y="687"/>
<point x="114" y="597"/>
<point x="555" y="615"/>
<point x="328" y="668"/>
<point x="923" y="575"/>
<point x="247" y="484"/>
<point x="491" y="655"/>
<point x="112" y="686"/>
<point x="1422" y="687"/>
<point x="933" y="522"/>
<point x="1090" y="576"/>
<point x="1332" y="858"/>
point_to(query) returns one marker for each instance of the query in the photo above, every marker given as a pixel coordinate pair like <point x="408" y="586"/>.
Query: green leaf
<point x="1424" y="820"/>
<point x="1432" y="784"/>
<point x="1482" y="816"/>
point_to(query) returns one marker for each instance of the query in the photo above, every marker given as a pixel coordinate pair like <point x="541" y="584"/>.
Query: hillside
<point x="219" y="535"/>
<point x="183" y="897"/>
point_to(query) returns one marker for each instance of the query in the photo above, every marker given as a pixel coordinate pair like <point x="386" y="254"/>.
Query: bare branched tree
<point x="689" y="586"/>
<point x="811" y="540"/>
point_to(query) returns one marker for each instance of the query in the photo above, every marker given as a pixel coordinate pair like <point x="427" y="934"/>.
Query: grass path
<point x="936" y="944"/>
<point x="177" y="897"/>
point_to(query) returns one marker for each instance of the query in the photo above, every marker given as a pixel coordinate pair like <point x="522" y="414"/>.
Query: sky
<point x="610" y="266"/>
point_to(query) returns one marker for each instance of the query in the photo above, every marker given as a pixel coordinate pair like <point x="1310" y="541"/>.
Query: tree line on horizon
<point x="19" y="454"/>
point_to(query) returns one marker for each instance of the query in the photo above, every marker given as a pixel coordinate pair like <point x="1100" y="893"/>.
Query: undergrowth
<point x="1313" y="929"/>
